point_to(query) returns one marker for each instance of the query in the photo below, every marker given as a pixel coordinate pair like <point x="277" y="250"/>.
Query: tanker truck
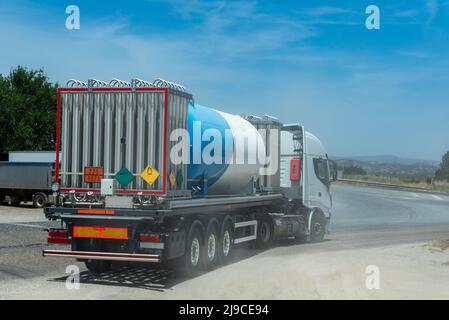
<point x="148" y="175"/>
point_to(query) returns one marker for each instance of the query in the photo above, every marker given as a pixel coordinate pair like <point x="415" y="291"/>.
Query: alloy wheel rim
<point x="226" y="243"/>
<point x="195" y="252"/>
<point x="211" y="247"/>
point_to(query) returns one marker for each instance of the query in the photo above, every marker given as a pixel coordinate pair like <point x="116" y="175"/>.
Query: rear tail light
<point x="150" y="237"/>
<point x="295" y="169"/>
<point x="60" y="236"/>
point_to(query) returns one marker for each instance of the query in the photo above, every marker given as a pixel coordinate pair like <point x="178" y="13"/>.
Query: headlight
<point x="55" y="187"/>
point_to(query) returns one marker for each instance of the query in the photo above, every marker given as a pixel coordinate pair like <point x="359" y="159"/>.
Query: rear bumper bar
<point x="102" y="255"/>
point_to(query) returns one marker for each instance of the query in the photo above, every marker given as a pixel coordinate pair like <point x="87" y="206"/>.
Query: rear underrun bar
<point x="102" y="255"/>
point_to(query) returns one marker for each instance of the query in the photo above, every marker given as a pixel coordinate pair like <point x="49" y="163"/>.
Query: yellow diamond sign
<point x="172" y="179"/>
<point x="149" y="174"/>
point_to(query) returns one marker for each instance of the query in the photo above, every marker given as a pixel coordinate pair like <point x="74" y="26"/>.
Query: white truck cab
<point x="303" y="151"/>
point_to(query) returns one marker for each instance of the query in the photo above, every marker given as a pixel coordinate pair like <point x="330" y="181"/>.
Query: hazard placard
<point x="172" y="179"/>
<point x="149" y="174"/>
<point x="93" y="174"/>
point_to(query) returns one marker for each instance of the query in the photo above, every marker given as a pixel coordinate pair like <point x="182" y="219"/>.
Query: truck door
<point x="316" y="188"/>
<point x="318" y="183"/>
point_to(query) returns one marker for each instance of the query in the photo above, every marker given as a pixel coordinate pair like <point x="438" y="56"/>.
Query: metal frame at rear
<point x="162" y="192"/>
<point x="174" y="208"/>
<point x="102" y="255"/>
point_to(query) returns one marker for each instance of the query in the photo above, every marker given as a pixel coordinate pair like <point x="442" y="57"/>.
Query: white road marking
<point x="436" y="197"/>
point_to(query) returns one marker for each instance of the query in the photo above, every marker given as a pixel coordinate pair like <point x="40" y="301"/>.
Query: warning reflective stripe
<point x="100" y="232"/>
<point x="85" y="232"/>
<point x="95" y="211"/>
<point x="115" y="233"/>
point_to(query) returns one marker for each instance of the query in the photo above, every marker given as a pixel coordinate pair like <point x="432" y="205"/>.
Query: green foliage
<point x="354" y="169"/>
<point x="443" y="171"/>
<point x="27" y="111"/>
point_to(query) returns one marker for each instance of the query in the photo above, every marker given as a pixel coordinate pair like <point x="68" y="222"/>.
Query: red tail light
<point x="295" y="169"/>
<point x="59" y="240"/>
<point x="58" y="233"/>
<point x="150" y="237"/>
<point x="60" y="236"/>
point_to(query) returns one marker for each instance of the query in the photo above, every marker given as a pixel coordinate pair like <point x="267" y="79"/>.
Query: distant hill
<point x="391" y="166"/>
<point x="388" y="159"/>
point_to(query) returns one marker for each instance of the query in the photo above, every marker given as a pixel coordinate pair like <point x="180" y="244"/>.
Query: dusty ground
<point x="403" y="235"/>
<point x="410" y="271"/>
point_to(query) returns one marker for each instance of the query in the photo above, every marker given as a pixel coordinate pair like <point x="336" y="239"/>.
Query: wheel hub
<point x="264" y="232"/>
<point x="317" y="228"/>
<point x="211" y="247"/>
<point x="226" y="243"/>
<point x="195" y="252"/>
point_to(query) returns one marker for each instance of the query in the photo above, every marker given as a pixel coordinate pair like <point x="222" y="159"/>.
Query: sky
<point x="362" y="92"/>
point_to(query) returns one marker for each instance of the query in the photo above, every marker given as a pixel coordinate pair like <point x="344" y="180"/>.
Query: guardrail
<point x="390" y="186"/>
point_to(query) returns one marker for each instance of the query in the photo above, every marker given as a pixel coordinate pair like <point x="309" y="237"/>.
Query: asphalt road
<point x="361" y="208"/>
<point x="363" y="217"/>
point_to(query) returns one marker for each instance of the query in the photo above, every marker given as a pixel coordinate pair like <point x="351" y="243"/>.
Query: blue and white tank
<point x="232" y="173"/>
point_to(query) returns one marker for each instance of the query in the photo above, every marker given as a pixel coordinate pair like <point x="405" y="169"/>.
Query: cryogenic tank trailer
<point x="148" y="175"/>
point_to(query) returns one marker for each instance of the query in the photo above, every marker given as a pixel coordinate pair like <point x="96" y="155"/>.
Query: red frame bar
<point x="58" y="139"/>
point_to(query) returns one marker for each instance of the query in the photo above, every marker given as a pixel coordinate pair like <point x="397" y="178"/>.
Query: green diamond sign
<point x="179" y="178"/>
<point x="124" y="177"/>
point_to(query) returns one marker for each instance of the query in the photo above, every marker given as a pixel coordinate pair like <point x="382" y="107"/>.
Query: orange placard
<point x="93" y="174"/>
<point x="100" y="232"/>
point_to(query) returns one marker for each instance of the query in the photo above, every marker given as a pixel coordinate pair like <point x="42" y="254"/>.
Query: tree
<point x="442" y="172"/>
<point x="27" y="111"/>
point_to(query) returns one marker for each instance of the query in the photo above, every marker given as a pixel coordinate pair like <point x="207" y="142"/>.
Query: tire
<point x="211" y="245"/>
<point x="39" y="200"/>
<point x="264" y="233"/>
<point x="226" y="243"/>
<point x="193" y="260"/>
<point x="317" y="228"/>
<point x="98" y="266"/>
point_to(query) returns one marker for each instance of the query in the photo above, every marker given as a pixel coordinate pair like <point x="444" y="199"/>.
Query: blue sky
<point x="363" y="92"/>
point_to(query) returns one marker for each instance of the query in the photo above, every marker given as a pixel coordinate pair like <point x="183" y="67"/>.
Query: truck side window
<point x="321" y="170"/>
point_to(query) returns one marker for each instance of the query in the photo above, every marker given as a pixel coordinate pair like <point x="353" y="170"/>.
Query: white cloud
<point x="326" y="10"/>
<point x="409" y="13"/>
<point x="417" y="54"/>
<point x="432" y="9"/>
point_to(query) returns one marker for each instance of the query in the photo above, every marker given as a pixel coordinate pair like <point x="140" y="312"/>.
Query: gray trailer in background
<point x="26" y="181"/>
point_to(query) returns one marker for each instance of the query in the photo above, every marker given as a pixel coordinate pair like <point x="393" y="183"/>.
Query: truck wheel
<point x="193" y="258"/>
<point x="317" y="228"/>
<point x="98" y="266"/>
<point x="226" y="243"/>
<point x="39" y="200"/>
<point x="264" y="233"/>
<point x="211" y="246"/>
